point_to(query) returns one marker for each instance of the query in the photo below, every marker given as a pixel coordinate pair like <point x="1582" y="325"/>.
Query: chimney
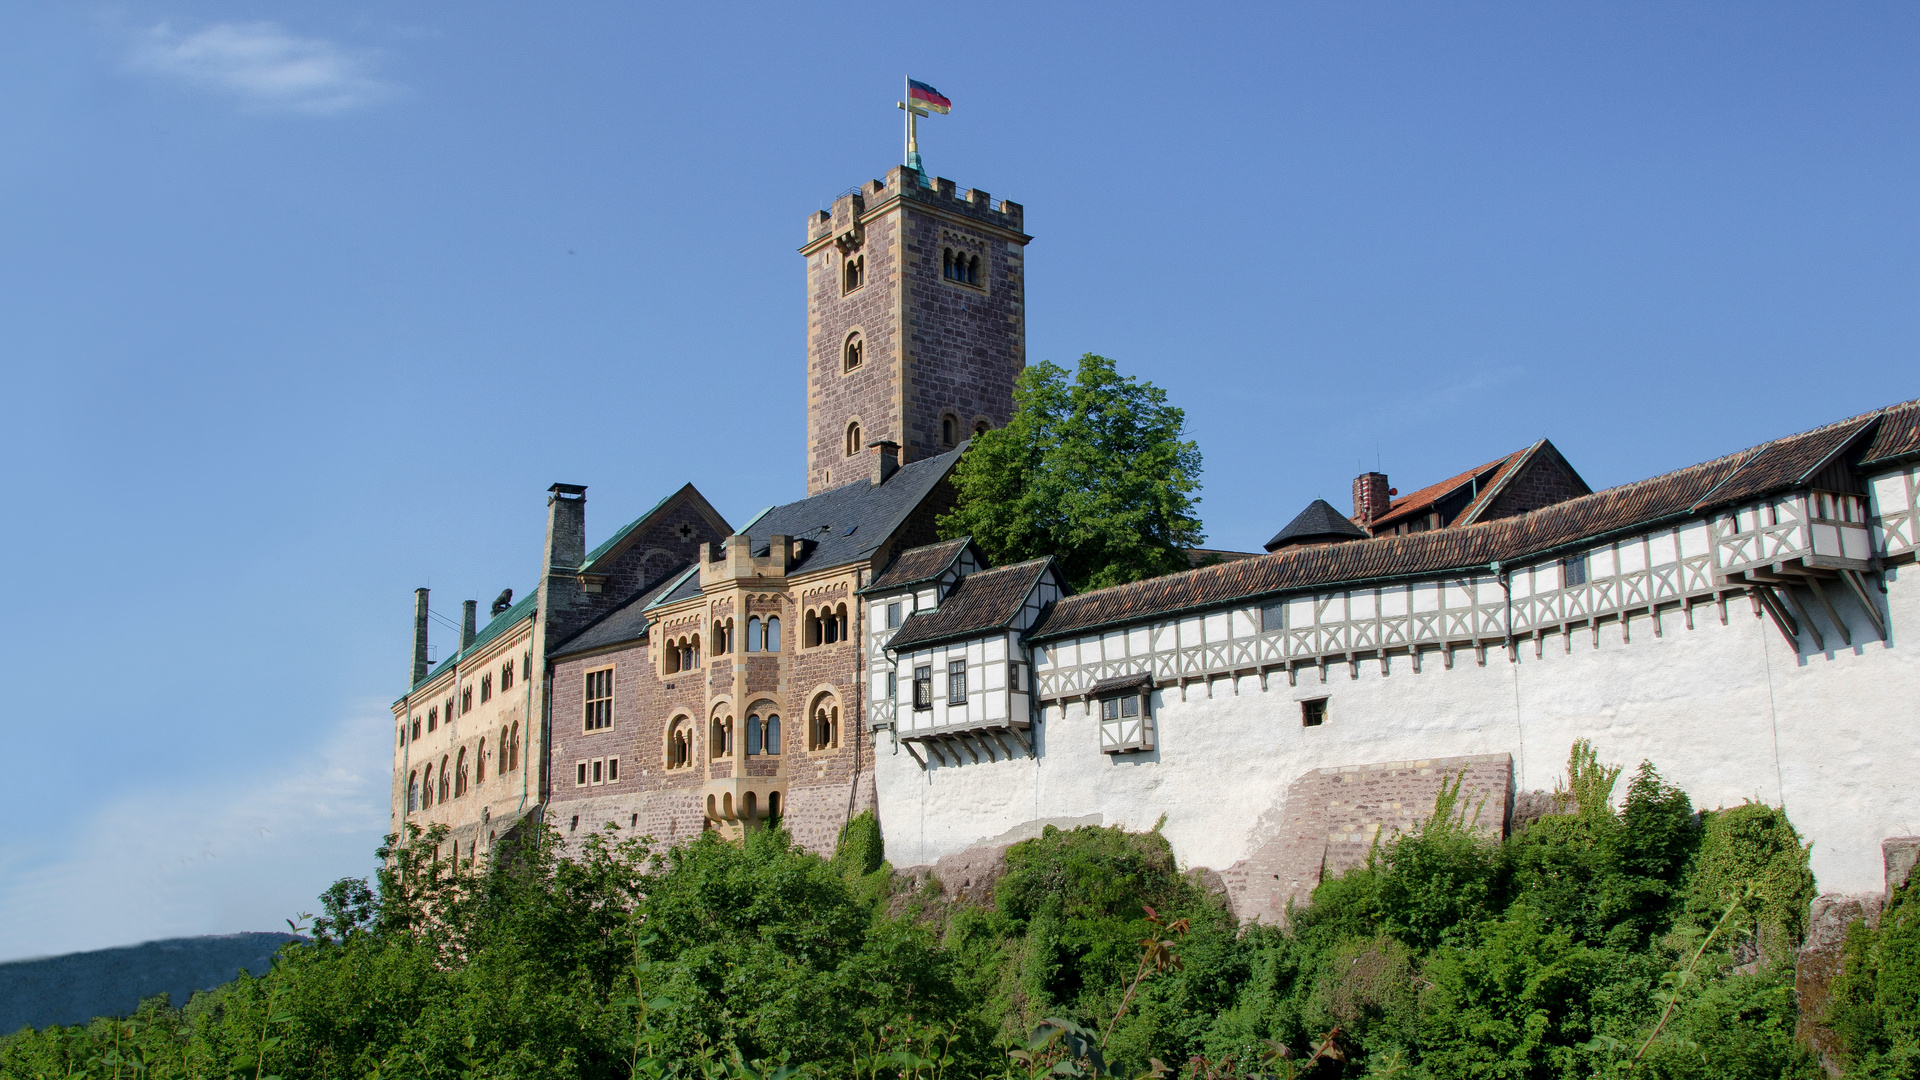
<point x="419" y="636"/>
<point x="467" y="623"/>
<point x="561" y="594"/>
<point x="1370" y="498"/>
<point x="886" y="459"/>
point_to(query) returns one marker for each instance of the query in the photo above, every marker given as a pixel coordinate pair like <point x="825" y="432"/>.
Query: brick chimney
<point x="886" y="459"/>
<point x="468" y="621"/>
<point x="1370" y="498"/>
<point x="419" y="636"/>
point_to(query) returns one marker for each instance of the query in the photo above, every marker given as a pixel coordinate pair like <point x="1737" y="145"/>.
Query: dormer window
<point x="958" y="266"/>
<point x="852" y="353"/>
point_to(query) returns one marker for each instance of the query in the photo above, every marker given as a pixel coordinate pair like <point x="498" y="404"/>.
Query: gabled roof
<point x="683" y="586"/>
<point x="848" y="524"/>
<point x="1897" y="437"/>
<point x="618" y="543"/>
<point x="496" y="626"/>
<point x="1511" y="469"/>
<point x="627" y="622"/>
<point x="1777" y="465"/>
<point x="1318" y="523"/>
<point x="915" y="565"/>
<point x="984" y="601"/>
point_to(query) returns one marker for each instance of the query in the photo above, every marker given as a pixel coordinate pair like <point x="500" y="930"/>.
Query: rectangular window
<point x="1273" y="616"/>
<point x="596" y="771"/>
<point x="957" y="682"/>
<point x="1115" y="708"/>
<point x="599" y="708"/>
<point x="923" y="688"/>
<point x="580" y="778"/>
<point x="613" y="769"/>
<point x="893" y="685"/>
<point x="466" y="701"/>
<point x="526" y="666"/>
<point x="506" y="675"/>
<point x="433" y="719"/>
<point x="1013" y="676"/>
<point x="1313" y="713"/>
<point x="486" y="689"/>
<point x="893" y="615"/>
<point x="1573" y="571"/>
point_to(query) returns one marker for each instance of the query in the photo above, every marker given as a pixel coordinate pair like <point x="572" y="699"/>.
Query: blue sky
<point x="305" y="305"/>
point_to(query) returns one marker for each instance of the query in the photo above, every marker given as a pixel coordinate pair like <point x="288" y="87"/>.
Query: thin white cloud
<point x="263" y="65"/>
<point x="200" y="857"/>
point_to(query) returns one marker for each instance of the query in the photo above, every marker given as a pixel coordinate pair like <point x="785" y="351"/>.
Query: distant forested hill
<point x="77" y="987"/>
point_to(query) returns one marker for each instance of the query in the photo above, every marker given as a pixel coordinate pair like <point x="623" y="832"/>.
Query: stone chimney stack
<point x="1370" y="498"/>
<point x="419" y="636"/>
<point x="886" y="459"/>
<point x="561" y="596"/>
<point x="468" y="619"/>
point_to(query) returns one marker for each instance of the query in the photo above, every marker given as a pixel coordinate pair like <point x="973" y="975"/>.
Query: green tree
<point x="1092" y="471"/>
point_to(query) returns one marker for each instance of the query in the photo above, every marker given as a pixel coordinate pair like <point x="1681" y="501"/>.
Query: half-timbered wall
<point x="1660" y="654"/>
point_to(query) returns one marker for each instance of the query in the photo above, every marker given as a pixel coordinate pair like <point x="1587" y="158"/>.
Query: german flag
<point x="927" y="97"/>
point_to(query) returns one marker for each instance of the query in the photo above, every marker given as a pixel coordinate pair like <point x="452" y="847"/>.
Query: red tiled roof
<point x="1897" y="437"/>
<point x="982" y="601"/>
<point x="918" y="564"/>
<point x="1770" y="466"/>
<point x="1424" y="499"/>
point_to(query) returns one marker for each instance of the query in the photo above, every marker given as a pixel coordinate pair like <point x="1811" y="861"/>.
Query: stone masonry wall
<point x="966" y="344"/>
<point x="1332" y="817"/>
<point x="1543" y="484"/>
<point x="870" y="393"/>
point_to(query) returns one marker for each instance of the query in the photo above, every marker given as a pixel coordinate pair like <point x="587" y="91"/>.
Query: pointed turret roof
<point x="1319" y="523"/>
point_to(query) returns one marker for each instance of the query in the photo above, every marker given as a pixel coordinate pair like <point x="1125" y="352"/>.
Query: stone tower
<point x="916" y="322"/>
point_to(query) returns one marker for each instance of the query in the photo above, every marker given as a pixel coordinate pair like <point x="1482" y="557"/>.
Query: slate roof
<point x="1318" y="522"/>
<point x="614" y="543"/>
<point x="984" y="601"/>
<point x="1771" y="466"/>
<point x="499" y="624"/>
<point x="628" y="622"/>
<point x="848" y="524"/>
<point x="915" y="565"/>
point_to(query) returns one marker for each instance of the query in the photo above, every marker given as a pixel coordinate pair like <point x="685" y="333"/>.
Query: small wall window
<point x="486" y="689"/>
<point x="1573" y="571"/>
<point x="1115" y="708"/>
<point x="853" y="438"/>
<point x="1273" y="617"/>
<point x="960" y="266"/>
<point x="416" y="724"/>
<point x="598" y="768"/>
<point x="1313" y="712"/>
<point x="753" y="633"/>
<point x="460" y="784"/>
<point x="923" y="687"/>
<point x="599" y="702"/>
<point x="753" y="735"/>
<point x="947" y="426"/>
<point x="772" y="741"/>
<point x="448" y="711"/>
<point x="580" y="775"/>
<point x="445" y="781"/>
<point x="504" y="765"/>
<point x="1125" y="721"/>
<point x="853" y="273"/>
<point x="433" y="718"/>
<point x="979" y="427"/>
<point x="893" y="614"/>
<point x="957" y="682"/>
<point x="466" y="701"/>
<point x="480" y="764"/>
<point x="853" y="352"/>
<point x="506" y="675"/>
<point x="1014" y="671"/>
<point x="513" y="748"/>
<point x="613" y="769"/>
<point x="720" y="737"/>
<point x="679" y="744"/>
<point x="413" y="791"/>
<point x="823" y="725"/>
<point x="526" y="666"/>
<point x="722" y="636"/>
<point x="893" y="685"/>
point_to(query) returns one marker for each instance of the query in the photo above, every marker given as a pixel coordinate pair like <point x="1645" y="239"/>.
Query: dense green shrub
<point x="1609" y="939"/>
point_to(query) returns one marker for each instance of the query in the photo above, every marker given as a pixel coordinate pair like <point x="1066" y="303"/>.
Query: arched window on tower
<point x="823" y="725"/>
<point x="852" y="353"/>
<point x="979" y="427"/>
<point x="753" y="633"/>
<point x="772" y="741"/>
<point x="753" y="735"/>
<point x="773" y="633"/>
<point x="853" y="438"/>
<point x="853" y="273"/>
<point x="947" y="426"/>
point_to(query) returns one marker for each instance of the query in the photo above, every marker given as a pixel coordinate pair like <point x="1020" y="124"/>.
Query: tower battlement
<point x="905" y="183"/>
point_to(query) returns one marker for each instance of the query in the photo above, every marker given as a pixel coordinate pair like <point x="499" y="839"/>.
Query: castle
<point x="1741" y="623"/>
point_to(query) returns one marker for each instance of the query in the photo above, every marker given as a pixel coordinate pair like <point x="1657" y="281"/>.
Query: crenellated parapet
<point x="843" y="223"/>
